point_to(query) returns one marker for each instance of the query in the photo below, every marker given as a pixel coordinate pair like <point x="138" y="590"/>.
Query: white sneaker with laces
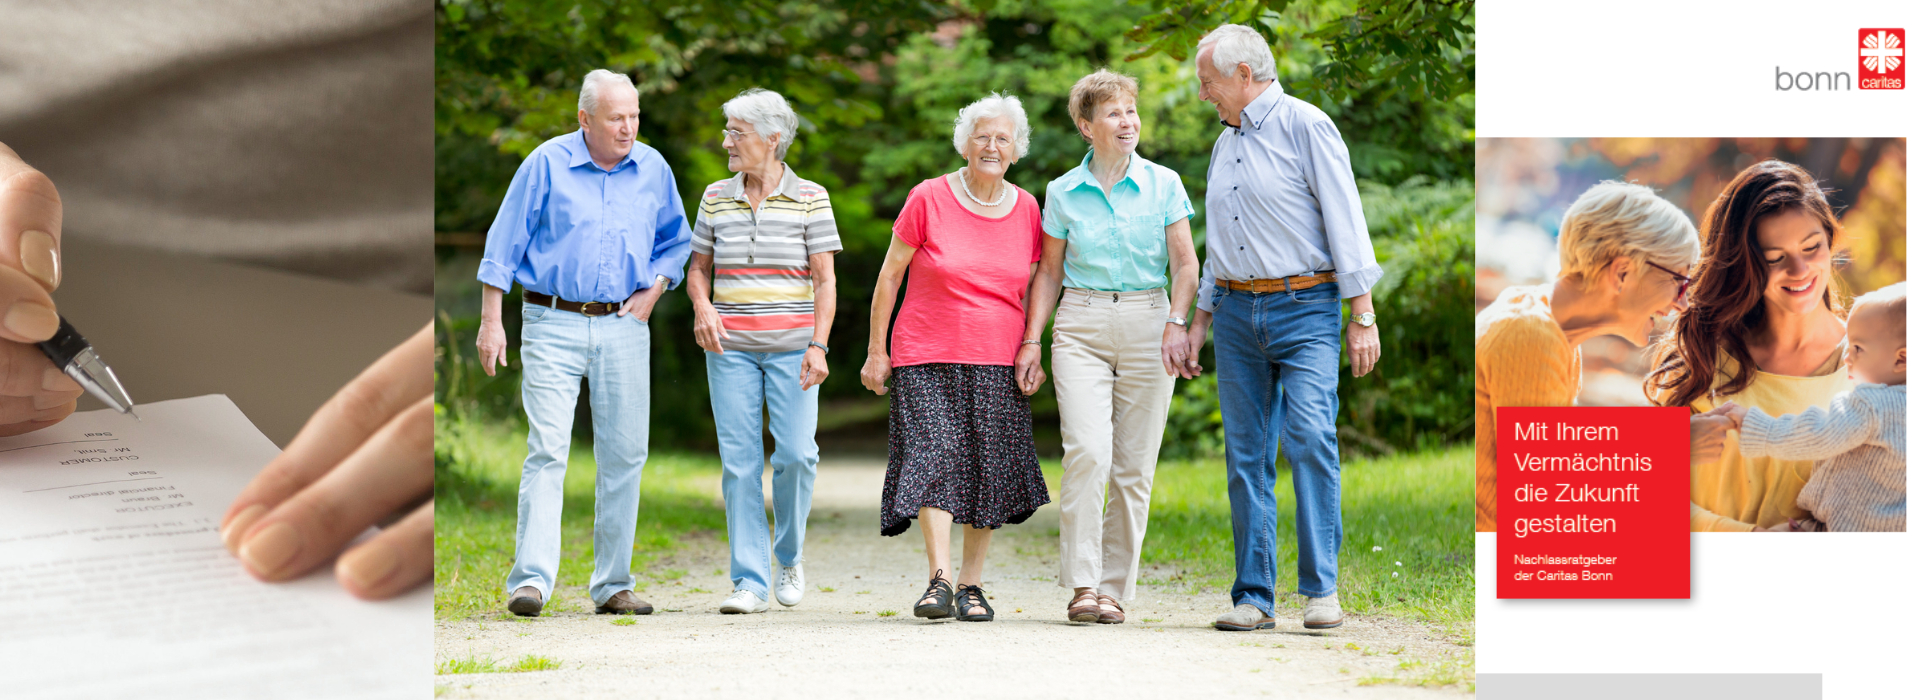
<point x="789" y="585"/>
<point x="744" y="602"/>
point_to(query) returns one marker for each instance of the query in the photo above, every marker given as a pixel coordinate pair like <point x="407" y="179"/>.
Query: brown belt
<point x="1280" y="284"/>
<point x="590" y="308"/>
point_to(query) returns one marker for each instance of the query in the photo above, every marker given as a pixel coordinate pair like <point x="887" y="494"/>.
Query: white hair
<point x="1616" y="219"/>
<point x="768" y="113"/>
<point x="1234" y="44"/>
<point x="593" y="83"/>
<point x="993" y="106"/>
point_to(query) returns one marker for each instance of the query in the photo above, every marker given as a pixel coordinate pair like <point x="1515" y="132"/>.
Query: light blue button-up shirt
<point x="570" y="229"/>
<point x="1280" y="201"/>
<point x="1116" y="241"/>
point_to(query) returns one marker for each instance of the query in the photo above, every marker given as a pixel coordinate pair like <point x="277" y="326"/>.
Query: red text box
<point x="1593" y="502"/>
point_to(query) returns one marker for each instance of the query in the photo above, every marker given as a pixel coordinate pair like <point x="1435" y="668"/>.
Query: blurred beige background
<point x="293" y="134"/>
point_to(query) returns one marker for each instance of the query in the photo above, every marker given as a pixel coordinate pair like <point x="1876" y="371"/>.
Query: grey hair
<point x="593" y="83"/>
<point x="768" y="112"/>
<point x="993" y="106"/>
<point x="1234" y="44"/>
<point x="1615" y="219"/>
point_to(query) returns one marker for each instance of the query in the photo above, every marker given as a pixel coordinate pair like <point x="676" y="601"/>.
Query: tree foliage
<point x="877" y="84"/>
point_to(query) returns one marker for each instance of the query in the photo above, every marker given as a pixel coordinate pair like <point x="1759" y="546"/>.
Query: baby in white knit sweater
<point x="1857" y="484"/>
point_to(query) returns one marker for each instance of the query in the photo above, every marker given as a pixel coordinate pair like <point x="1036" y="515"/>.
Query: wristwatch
<point x="1181" y="322"/>
<point x="825" y="348"/>
<point x="1365" y="319"/>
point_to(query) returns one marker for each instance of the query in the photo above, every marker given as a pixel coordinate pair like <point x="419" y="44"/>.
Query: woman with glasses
<point x="1624" y="258"/>
<point x="1764" y="330"/>
<point x="960" y="437"/>
<point x="762" y="281"/>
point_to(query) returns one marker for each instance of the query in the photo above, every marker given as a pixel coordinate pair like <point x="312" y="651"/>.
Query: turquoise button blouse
<point x="1116" y="242"/>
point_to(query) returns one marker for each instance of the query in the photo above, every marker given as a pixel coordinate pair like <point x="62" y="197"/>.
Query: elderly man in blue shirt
<point x="1286" y="242"/>
<point x="593" y="228"/>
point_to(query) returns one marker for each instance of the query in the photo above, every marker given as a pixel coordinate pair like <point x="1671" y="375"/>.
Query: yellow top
<point x="1522" y="360"/>
<point x="1734" y="493"/>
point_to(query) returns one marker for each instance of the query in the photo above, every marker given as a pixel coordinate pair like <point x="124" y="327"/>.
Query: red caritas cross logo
<point x="1879" y="64"/>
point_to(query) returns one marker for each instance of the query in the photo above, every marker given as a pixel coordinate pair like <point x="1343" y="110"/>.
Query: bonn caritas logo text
<point x="1879" y="59"/>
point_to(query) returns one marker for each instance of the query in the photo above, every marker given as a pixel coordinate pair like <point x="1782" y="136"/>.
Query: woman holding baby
<point x="1764" y="330"/>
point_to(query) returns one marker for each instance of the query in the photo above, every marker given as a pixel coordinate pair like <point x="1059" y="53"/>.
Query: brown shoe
<point x="1110" y="611"/>
<point x="625" y="603"/>
<point x="1085" y="608"/>
<point x="526" y="602"/>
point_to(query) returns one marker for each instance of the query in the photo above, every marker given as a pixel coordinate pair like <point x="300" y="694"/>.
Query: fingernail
<point x="265" y="552"/>
<point x="39" y="258"/>
<point x="41" y="402"/>
<point x="237" y="526"/>
<point x="55" y="380"/>
<point x="32" y="320"/>
<point x="369" y="565"/>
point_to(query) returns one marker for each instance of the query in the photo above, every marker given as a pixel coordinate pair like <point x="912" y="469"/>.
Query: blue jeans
<point x="1278" y="371"/>
<point x="739" y="384"/>
<point x="559" y="349"/>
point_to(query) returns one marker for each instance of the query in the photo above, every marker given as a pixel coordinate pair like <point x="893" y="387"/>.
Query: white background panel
<point x="1835" y="604"/>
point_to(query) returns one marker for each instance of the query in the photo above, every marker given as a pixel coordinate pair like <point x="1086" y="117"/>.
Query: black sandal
<point x="970" y="597"/>
<point x="943" y="596"/>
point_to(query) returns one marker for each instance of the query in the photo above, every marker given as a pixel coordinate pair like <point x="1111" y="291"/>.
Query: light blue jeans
<point x="740" y="383"/>
<point x="1278" y="371"/>
<point x="559" y="349"/>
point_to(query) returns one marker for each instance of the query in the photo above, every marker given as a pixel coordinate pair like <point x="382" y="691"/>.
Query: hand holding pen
<point x="33" y="392"/>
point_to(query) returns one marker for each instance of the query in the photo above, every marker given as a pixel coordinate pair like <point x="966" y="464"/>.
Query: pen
<point x="70" y="352"/>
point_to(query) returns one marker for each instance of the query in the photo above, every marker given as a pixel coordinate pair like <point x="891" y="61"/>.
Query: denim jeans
<point x="740" y="383"/>
<point x="1278" y="371"/>
<point x="559" y="349"/>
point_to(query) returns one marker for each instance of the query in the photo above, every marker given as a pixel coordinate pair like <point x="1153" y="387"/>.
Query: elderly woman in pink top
<point x="961" y="442"/>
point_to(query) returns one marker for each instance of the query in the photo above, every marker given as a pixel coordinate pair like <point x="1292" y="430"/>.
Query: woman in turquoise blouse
<point x="1114" y="224"/>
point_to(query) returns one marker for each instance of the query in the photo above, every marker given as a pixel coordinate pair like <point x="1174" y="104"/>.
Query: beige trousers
<point x="1113" y="395"/>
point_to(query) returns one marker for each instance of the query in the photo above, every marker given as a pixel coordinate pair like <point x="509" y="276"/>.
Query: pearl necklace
<point x="977" y="200"/>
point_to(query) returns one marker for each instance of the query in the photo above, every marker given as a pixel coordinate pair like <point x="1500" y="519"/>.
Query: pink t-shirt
<point x="967" y="279"/>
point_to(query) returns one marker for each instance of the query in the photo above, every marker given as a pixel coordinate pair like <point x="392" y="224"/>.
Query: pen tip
<point x="134" y="415"/>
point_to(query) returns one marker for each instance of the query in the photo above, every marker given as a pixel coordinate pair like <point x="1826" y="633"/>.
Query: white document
<point x="114" y="582"/>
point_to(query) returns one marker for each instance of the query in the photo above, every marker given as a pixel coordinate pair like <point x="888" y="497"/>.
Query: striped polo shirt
<point x="762" y="288"/>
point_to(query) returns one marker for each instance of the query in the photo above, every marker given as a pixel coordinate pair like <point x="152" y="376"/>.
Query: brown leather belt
<point x="590" y="308"/>
<point x="1280" y="284"/>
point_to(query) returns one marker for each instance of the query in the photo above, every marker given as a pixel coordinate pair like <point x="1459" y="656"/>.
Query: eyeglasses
<point x="1683" y="283"/>
<point x="1000" y="142"/>
<point x="735" y="135"/>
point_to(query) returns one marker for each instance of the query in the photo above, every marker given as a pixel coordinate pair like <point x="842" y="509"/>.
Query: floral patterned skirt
<point x="961" y="439"/>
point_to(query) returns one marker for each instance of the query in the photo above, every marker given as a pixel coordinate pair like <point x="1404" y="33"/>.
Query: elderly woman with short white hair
<point x="1625" y="257"/>
<point x="960" y="436"/>
<point x="762" y="281"/>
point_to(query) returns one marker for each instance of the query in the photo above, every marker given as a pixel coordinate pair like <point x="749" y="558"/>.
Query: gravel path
<point x="837" y="644"/>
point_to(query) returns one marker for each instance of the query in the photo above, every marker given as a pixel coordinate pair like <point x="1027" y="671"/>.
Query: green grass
<point x="488" y="665"/>
<point x="1415" y="507"/>
<point x="478" y="467"/>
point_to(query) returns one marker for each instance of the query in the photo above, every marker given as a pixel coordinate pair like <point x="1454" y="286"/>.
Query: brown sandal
<point x="1088" y="611"/>
<point x="1113" y="616"/>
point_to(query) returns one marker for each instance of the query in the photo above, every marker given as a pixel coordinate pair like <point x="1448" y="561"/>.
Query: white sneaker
<point x="789" y="585"/>
<point x="744" y="602"/>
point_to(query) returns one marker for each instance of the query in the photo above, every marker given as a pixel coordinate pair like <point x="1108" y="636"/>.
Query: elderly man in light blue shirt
<point x="1286" y="242"/>
<point x="593" y="228"/>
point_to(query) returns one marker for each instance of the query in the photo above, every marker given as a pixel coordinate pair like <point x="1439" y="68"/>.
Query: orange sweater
<point x="1523" y="360"/>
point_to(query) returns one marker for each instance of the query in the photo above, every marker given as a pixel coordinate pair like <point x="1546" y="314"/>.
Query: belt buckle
<point x="594" y="308"/>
